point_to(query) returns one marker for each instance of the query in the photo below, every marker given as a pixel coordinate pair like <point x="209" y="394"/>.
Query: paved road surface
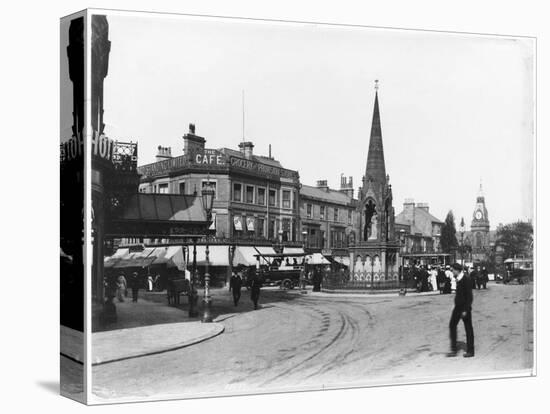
<point x="297" y="342"/>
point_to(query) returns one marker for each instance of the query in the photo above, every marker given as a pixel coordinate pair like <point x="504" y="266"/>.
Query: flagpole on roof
<point x="243" y="111"/>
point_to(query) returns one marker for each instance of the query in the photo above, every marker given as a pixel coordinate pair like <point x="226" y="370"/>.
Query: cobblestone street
<point x="307" y="342"/>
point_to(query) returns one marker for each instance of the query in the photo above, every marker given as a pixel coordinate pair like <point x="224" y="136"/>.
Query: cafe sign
<point x="208" y="157"/>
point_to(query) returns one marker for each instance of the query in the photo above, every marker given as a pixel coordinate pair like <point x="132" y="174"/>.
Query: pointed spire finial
<point x="376" y="169"/>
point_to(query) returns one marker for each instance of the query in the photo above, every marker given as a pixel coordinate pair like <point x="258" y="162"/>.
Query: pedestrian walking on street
<point x="448" y="287"/>
<point x="433" y="278"/>
<point x="255" y="286"/>
<point x="121" y="287"/>
<point x="235" y="284"/>
<point x="134" y="285"/>
<point x="462" y="311"/>
<point x="441" y="279"/>
<point x="484" y="278"/>
<point x="424" y="279"/>
<point x="474" y="276"/>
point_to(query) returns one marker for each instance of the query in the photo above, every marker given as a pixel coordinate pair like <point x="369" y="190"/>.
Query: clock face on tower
<point x="479" y="215"/>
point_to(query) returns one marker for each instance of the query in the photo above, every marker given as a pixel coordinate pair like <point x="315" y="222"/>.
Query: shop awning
<point x="217" y="256"/>
<point x="137" y="259"/>
<point x="171" y="256"/>
<point x="245" y="255"/>
<point x="317" y="259"/>
<point x="110" y="261"/>
<point x="125" y="259"/>
<point x="293" y="250"/>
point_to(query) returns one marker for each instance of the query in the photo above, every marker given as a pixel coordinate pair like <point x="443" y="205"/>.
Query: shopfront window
<point x="163" y="188"/>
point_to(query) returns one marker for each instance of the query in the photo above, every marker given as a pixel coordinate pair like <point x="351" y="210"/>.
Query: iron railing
<point x="367" y="281"/>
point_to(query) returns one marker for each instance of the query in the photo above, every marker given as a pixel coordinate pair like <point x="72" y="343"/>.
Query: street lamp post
<point x="303" y="273"/>
<point x="402" y="245"/>
<point x="207" y="195"/>
<point x="462" y="230"/>
<point x="192" y="311"/>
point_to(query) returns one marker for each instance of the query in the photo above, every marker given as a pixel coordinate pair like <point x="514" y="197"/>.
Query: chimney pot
<point x="246" y="148"/>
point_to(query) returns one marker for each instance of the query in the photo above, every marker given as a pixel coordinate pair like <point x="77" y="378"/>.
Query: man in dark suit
<point x="134" y="284"/>
<point x="235" y="284"/>
<point x="484" y="278"/>
<point x="462" y="310"/>
<point x="255" y="286"/>
<point x="474" y="277"/>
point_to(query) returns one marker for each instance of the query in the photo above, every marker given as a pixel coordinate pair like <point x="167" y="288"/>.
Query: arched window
<point x="479" y="239"/>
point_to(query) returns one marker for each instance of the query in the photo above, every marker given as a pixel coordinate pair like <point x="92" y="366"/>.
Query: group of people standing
<point x="123" y="284"/>
<point x="431" y="278"/>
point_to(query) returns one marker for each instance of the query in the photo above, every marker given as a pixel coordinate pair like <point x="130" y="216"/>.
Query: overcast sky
<point x="454" y="108"/>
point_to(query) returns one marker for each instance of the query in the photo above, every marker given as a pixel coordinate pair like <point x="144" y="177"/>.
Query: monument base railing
<point x="368" y="282"/>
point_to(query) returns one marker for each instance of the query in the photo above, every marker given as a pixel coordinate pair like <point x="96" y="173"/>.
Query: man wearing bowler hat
<point x="462" y="310"/>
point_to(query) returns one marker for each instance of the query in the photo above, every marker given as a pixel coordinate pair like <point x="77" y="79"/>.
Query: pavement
<point x="151" y="327"/>
<point x="303" y="341"/>
<point x="142" y="328"/>
<point x="121" y="344"/>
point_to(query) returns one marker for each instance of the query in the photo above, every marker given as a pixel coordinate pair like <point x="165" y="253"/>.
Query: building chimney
<point x="346" y="185"/>
<point x="246" y="148"/>
<point x="322" y="185"/>
<point x="408" y="210"/>
<point x="192" y="143"/>
<point x="163" y="153"/>
<point x="423" y="206"/>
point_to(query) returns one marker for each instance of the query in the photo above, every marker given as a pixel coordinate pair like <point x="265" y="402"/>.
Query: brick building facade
<point x="328" y="216"/>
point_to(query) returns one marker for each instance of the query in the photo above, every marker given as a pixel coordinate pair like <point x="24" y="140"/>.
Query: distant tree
<point x="448" y="240"/>
<point x="515" y="239"/>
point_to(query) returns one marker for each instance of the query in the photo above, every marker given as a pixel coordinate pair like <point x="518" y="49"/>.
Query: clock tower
<point x="480" y="227"/>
